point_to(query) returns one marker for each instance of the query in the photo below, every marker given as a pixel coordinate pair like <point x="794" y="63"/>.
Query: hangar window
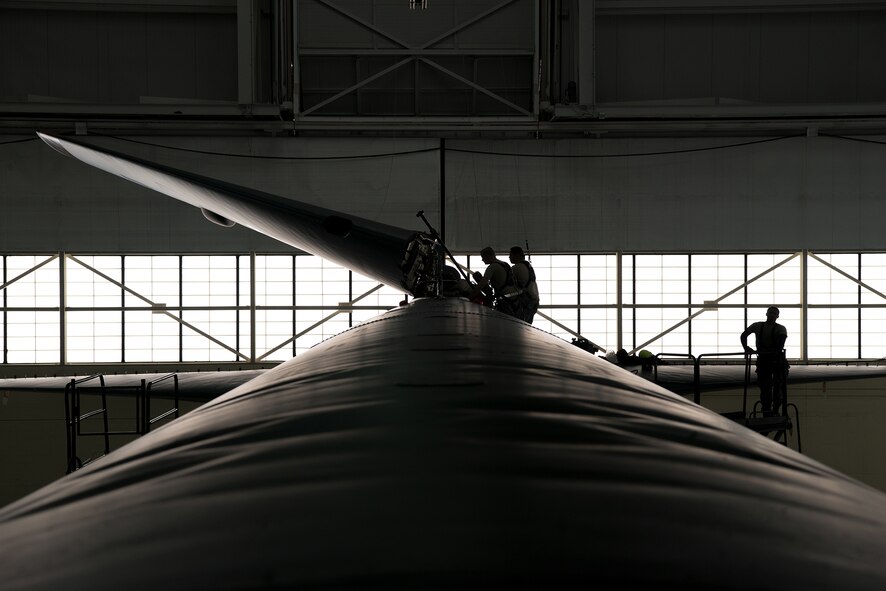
<point x="244" y="308"/>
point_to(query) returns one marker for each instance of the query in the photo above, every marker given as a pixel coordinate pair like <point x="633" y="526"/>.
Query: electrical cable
<point x="627" y="155"/>
<point x="464" y="150"/>
<point x="254" y="156"/>
<point x="852" y="139"/>
<point x="22" y="141"/>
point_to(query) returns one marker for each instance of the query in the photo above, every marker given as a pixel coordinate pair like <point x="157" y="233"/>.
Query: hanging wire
<point x="22" y="141"/>
<point x="257" y="157"/>
<point x="852" y="139"/>
<point x="384" y="201"/>
<point x="463" y="150"/>
<point x="477" y="199"/>
<point x="520" y="198"/>
<point x="628" y="154"/>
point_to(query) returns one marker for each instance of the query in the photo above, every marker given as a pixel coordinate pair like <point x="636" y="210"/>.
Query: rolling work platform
<point x="79" y="391"/>
<point x="777" y="424"/>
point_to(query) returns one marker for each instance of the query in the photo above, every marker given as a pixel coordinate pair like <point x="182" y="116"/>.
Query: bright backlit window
<point x="252" y="307"/>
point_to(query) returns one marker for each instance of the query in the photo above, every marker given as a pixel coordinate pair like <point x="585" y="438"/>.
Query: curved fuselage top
<point x="443" y="444"/>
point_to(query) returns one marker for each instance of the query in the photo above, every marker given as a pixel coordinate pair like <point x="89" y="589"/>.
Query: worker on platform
<point x="771" y="365"/>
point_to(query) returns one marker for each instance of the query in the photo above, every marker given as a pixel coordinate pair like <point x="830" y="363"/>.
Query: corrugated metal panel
<point x="115" y="57"/>
<point x="815" y="57"/>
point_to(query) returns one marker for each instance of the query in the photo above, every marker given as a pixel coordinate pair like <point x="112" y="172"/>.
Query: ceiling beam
<point x="186" y="6"/>
<point x="651" y="7"/>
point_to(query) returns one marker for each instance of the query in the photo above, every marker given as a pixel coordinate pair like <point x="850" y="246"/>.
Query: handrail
<point x="797" y="420"/>
<point x="73" y="418"/>
<point x="147" y="400"/>
<point x="143" y="419"/>
<point x="697" y="396"/>
<point x="697" y="382"/>
<point x="781" y="384"/>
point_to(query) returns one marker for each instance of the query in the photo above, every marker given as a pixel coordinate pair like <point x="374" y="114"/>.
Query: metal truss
<point x="414" y="54"/>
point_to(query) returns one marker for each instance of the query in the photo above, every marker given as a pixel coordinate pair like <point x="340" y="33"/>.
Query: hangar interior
<point x="674" y="167"/>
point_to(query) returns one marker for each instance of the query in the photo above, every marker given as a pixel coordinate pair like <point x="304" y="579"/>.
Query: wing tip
<point x="54" y="143"/>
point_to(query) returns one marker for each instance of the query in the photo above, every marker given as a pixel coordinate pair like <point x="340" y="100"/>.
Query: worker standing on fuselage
<point x="497" y="283"/>
<point x="524" y="279"/>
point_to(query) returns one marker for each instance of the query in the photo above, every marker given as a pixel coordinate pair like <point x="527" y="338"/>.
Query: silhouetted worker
<point x="524" y="279"/>
<point x="770" y="362"/>
<point x="497" y="283"/>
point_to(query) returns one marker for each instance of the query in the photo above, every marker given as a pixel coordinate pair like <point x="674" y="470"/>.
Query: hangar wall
<point x="117" y="54"/>
<point x="53" y="203"/>
<point x="147" y="53"/>
<point x="771" y="55"/>
<point x="821" y="193"/>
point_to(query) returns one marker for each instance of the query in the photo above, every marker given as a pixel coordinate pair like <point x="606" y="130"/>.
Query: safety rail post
<point x="781" y="387"/>
<point x="73" y="418"/>
<point x="698" y="363"/>
<point x="70" y="435"/>
<point x="783" y="381"/>
<point x="141" y="418"/>
<point x="797" y="421"/>
<point x="689" y="356"/>
<point x="747" y="382"/>
<point x="175" y="409"/>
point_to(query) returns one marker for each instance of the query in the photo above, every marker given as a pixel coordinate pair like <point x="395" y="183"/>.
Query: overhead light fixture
<point x="413" y="4"/>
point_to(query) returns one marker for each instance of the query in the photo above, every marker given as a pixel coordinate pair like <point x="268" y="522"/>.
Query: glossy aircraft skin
<point x="444" y="445"/>
<point x="371" y="248"/>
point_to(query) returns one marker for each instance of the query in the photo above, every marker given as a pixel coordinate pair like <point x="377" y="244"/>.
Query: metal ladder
<point x="75" y="417"/>
<point x="779" y="424"/>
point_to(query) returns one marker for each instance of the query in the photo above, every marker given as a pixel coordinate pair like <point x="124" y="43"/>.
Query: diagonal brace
<point x="155" y="304"/>
<point x="475" y="86"/>
<point x="318" y="323"/>
<point x="719" y="299"/>
<point x="848" y="276"/>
